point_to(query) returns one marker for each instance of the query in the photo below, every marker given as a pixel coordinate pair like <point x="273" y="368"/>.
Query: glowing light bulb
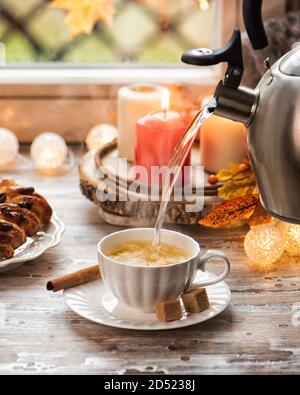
<point x="9" y="147"/>
<point x="49" y="151"/>
<point x="204" y="5"/>
<point x="100" y="135"/>
<point x="264" y="244"/>
<point x="291" y="235"/>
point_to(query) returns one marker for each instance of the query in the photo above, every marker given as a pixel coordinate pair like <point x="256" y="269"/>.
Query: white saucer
<point x="96" y="303"/>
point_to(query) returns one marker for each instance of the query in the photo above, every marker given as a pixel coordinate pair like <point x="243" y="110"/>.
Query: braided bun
<point x="23" y="213"/>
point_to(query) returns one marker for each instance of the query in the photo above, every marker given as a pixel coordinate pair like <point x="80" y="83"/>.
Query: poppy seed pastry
<point x="23" y="213"/>
<point x="21" y="217"/>
<point x="36" y="205"/>
<point x="11" y="234"/>
<point x="6" y="251"/>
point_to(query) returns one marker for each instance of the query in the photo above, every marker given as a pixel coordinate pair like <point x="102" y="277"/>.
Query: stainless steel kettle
<point x="271" y="112"/>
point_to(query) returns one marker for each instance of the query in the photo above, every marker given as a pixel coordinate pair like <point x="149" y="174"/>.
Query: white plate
<point x="36" y="245"/>
<point x="96" y="303"/>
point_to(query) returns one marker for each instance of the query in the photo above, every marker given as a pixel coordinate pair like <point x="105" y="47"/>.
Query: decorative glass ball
<point x="291" y="235"/>
<point x="100" y="135"/>
<point x="264" y="244"/>
<point x="49" y="151"/>
<point x="9" y="147"/>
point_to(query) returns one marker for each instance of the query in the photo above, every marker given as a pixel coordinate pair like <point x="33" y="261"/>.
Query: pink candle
<point x="157" y="136"/>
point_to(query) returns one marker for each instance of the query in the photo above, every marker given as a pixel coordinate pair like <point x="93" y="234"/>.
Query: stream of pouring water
<point x="176" y="163"/>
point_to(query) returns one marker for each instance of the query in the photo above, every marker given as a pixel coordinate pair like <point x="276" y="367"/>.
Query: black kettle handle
<point x="231" y="53"/>
<point x="252" y="12"/>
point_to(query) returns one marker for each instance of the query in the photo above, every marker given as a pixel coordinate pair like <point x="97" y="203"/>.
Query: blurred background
<point x="143" y="31"/>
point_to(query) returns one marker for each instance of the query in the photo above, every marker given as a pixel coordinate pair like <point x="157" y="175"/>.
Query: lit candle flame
<point x="204" y="5"/>
<point x="165" y="101"/>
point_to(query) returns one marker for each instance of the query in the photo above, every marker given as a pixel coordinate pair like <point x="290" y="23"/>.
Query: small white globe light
<point x="49" y="151"/>
<point x="100" y="135"/>
<point x="264" y="244"/>
<point x="9" y="147"/>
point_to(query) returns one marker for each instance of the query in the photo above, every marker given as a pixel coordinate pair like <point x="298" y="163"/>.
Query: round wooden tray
<point x="97" y="166"/>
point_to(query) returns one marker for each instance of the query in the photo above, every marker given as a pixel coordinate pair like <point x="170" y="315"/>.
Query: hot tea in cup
<point x="142" y="253"/>
<point x="126" y="267"/>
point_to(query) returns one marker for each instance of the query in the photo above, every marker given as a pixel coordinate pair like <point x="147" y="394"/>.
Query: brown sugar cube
<point x="196" y="300"/>
<point x="169" y="311"/>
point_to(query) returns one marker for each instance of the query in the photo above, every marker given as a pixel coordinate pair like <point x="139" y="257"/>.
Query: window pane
<point x="143" y="31"/>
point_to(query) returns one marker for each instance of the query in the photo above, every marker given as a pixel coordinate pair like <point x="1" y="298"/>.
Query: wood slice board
<point x="94" y="168"/>
<point x="111" y="167"/>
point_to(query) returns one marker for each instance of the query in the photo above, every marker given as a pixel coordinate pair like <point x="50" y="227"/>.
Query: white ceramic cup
<point x="141" y="287"/>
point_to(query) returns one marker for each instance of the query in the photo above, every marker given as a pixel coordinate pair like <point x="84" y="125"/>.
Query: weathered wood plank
<point x="42" y="336"/>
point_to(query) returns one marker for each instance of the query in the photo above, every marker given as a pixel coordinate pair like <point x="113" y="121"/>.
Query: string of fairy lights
<point x="204" y="5"/>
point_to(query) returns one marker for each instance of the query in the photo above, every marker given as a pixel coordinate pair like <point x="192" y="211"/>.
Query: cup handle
<point x="204" y="259"/>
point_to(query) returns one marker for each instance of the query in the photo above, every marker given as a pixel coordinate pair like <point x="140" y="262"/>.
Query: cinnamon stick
<point x="74" y="279"/>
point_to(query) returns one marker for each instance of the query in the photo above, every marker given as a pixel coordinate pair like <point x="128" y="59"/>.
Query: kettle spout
<point x="238" y="104"/>
<point x="231" y="100"/>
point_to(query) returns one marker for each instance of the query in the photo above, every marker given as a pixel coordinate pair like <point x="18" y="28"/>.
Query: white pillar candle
<point x="134" y="102"/>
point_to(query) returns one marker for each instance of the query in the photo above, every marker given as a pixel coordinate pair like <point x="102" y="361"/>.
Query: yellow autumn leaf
<point x="238" y="188"/>
<point x="82" y="15"/>
<point x="224" y="174"/>
<point x="238" y="181"/>
<point x="233" y="190"/>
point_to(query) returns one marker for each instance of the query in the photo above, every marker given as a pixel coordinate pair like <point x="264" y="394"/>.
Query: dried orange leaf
<point x="231" y="211"/>
<point x="259" y="217"/>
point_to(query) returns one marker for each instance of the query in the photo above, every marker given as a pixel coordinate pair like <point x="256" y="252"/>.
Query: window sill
<point x="70" y="101"/>
<point x="107" y="75"/>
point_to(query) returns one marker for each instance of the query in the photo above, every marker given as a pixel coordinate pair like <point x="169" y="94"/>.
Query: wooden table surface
<point x="40" y="335"/>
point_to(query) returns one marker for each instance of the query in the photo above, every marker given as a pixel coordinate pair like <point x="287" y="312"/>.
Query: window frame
<point x="228" y="16"/>
<point x="71" y="100"/>
<point x="116" y="74"/>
